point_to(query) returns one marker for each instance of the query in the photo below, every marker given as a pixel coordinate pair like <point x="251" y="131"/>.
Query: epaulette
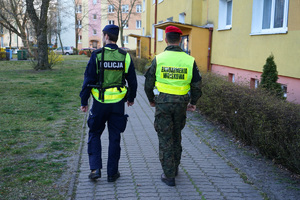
<point x="122" y="51"/>
<point x="97" y="51"/>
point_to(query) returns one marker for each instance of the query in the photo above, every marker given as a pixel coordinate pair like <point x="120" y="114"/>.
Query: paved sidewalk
<point x="202" y="173"/>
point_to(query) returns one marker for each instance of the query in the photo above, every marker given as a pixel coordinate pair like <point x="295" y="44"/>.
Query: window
<point x="158" y="1"/>
<point x="182" y="17"/>
<point x="94" y="1"/>
<point x="79" y="24"/>
<point x="95" y="32"/>
<point x="160" y="33"/>
<point x="78" y="9"/>
<point x="139" y="8"/>
<point x="231" y="77"/>
<point x="111" y="8"/>
<point x="125" y="24"/>
<point x="225" y="14"/>
<point x="143" y="31"/>
<point x="284" y="89"/>
<point x="144" y="5"/>
<point x="254" y="83"/>
<point x="138" y="24"/>
<point x="269" y="16"/>
<point x="111" y="22"/>
<point x="170" y="19"/>
<point x="94" y="16"/>
<point x="125" y="39"/>
<point x="153" y="30"/>
<point x="79" y="38"/>
<point x="125" y="8"/>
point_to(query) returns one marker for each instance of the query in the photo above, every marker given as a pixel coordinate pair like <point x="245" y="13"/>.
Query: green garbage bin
<point x="22" y="55"/>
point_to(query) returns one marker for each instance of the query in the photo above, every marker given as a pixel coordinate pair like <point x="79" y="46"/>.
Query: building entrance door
<point x="185" y="44"/>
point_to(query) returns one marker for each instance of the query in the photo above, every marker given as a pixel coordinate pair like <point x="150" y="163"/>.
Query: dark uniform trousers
<point x="170" y="119"/>
<point x="113" y="114"/>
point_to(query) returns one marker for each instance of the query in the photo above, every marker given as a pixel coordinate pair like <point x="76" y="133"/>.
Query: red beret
<point x="173" y="29"/>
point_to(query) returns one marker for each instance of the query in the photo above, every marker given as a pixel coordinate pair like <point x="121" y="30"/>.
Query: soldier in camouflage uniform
<point x="172" y="85"/>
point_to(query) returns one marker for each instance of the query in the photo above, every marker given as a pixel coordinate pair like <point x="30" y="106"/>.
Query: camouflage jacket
<point x="195" y="92"/>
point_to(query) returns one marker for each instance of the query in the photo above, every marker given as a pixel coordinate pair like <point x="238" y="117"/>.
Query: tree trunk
<point x="40" y="27"/>
<point x="43" y="63"/>
<point x="61" y="44"/>
<point x="9" y="38"/>
<point x="121" y="36"/>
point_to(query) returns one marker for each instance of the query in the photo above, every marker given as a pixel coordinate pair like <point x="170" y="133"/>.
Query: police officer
<point x="172" y="85"/>
<point x="105" y="78"/>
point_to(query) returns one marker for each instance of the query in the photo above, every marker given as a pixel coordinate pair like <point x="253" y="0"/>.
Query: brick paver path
<point x="202" y="173"/>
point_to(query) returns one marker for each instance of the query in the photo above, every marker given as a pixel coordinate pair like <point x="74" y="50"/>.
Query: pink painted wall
<point x="244" y="76"/>
<point x="95" y="23"/>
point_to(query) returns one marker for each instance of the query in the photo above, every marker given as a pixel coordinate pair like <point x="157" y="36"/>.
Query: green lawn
<point x="40" y="127"/>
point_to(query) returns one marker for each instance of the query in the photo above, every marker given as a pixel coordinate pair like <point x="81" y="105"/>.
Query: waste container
<point x="8" y="54"/>
<point x="22" y="55"/>
<point x="2" y="54"/>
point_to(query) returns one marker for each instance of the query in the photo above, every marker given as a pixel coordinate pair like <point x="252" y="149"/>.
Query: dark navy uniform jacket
<point x="91" y="77"/>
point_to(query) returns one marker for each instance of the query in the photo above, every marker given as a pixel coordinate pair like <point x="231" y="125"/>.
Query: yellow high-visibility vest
<point x="113" y="75"/>
<point x="174" y="72"/>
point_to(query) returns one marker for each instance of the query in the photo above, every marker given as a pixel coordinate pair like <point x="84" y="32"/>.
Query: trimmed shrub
<point x="140" y="64"/>
<point x="256" y="117"/>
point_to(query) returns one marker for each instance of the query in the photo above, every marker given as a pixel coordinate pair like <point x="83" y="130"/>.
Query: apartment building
<point x="97" y="14"/>
<point x="247" y="32"/>
<point x="242" y="34"/>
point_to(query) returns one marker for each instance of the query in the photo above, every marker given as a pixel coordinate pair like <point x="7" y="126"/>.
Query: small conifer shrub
<point x="269" y="78"/>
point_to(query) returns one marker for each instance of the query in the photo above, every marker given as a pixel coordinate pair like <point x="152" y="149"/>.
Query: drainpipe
<point x="149" y="47"/>
<point x="209" y="49"/>
<point x="155" y="22"/>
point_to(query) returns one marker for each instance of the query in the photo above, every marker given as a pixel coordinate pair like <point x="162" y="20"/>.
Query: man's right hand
<point x="152" y="104"/>
<point x="191" y="107"/>
<point x="84" y="108"/>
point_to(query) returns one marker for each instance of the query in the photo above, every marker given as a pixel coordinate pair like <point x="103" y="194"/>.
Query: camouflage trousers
<point x="170" y="119"/>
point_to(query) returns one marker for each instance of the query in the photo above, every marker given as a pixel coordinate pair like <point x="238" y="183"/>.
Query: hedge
<point x="257" y="118"/>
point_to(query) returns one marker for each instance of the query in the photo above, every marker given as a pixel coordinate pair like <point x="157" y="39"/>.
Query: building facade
<point x="246" y="33"/>
<point x="126" y="13"/>
<point x="99" y="13"/>
<point x="186" y="15"/>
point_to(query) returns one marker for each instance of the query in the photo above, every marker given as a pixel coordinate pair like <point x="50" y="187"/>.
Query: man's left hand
<point x="129" y="103"/>
<point x="84" y="108"/>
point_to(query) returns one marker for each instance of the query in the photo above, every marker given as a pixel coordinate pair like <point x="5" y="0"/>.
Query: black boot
<point x="168" y="181"/>
<point x="113" y="178"/>
<point x="95" y="174"/>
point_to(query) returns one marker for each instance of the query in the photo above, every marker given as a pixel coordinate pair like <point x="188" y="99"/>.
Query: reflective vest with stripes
<point x="115" y="65"/>
<point x="174" y="72"/>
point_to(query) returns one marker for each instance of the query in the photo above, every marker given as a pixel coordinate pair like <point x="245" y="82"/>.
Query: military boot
<point x="168" y="181"/>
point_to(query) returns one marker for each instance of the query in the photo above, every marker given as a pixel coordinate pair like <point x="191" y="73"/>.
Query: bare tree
<point x="14" y="18"/>
<point x="40" y="27"/>
<point x="52" y="21"/>
<point x="122" y="13"/>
